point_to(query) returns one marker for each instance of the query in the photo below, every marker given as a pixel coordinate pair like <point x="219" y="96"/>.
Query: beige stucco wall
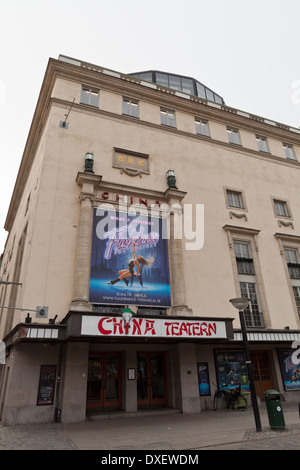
<point x="203" y="168"/>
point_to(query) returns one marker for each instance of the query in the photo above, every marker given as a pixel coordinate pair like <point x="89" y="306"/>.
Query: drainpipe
<point x="57" y="411"/>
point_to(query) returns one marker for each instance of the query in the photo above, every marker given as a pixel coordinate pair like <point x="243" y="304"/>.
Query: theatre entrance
<point x="151" y="380"/>
<point x="104" y="381"/>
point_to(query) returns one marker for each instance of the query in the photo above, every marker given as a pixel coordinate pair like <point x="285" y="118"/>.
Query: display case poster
<point x="203" y="379"/>
<point x="231" y="369"/>
<point x="46" y="385"/>
<point x="129" y="262"/>
<point x="290" y="371"/>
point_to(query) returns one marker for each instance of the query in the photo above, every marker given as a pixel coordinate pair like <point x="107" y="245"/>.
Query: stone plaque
<point x="131" y="163"/>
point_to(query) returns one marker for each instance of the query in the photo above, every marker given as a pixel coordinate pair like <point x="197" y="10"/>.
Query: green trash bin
<point x="274" y="408"/>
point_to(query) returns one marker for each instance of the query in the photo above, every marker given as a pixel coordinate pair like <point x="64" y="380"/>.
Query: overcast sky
<point x="245" y="50"/>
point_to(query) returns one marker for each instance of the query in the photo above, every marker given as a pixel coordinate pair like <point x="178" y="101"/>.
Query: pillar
<point x="180" y="307"/>
<point x="80" y="301"/>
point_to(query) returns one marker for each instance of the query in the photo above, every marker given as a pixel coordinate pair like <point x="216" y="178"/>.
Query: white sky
<point x="245" y="50"/>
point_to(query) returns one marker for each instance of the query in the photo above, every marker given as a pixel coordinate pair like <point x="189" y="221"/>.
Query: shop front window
<point x="231" y="369"/>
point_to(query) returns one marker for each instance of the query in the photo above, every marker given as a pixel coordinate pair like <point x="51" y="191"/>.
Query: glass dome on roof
<point x="181" y="83"/>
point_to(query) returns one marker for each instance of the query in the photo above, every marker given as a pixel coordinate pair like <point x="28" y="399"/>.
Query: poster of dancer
<point x="129" y="261"/>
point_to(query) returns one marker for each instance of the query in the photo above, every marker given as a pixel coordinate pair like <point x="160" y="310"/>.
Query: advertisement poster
<point x="46" y="385"/>
<point x="203" y="379"/>
<point x="289" y="370"/>
<point x="129" y="262"/>
<point x="231" y="369"/>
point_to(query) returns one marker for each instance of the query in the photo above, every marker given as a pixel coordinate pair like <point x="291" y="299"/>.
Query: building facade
<point x="143" y="203"/>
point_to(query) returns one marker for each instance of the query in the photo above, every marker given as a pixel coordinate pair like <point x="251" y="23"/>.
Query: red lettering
<point x="167" y="330"/>
<point x="105" y="195"/>
<point x="212" y="329"/>
<point x="150" y="327"/>
<point x="145" y="202"/>
<point x="118" y="326"/>
<point x="184" y="329"/>
<point x="100" y="326"/>
<point x="136" y="324"/>
<point x="203" y="328"/>
<point x="196" y="329"/>
<point x="131" y="200"/>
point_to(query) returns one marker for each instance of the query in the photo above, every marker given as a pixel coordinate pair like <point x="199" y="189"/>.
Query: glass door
<point x="151" y="380"/>
<point x="104" y="381"/>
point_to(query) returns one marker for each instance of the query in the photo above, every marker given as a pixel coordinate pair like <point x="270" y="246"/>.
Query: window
<point x="262" y="144"/>
<point x="89" y="96"/>
<point x="281" y="208"/>
<point x="296" y="290"/>
<point x="202" y="127"/>
<point x="130" y="107"/>
<point x="235" y="199"/>
<point x="233" y="136"/>
<point x="289" y="151"/>
<point x="247" y="282"/>
<point x="243" y="258"/>
<point x="176" y="82"/>
<point x="167" y="117"/>
<point x="293" y="264"/>
<point x="253" y="316"/>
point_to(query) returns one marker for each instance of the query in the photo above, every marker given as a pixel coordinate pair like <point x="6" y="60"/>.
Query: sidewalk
<point x="168" y="431"/>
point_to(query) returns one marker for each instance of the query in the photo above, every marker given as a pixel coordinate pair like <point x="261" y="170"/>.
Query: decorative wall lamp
<point x="171" y="179"/>
<point x="89" y="162"/>
<point x="240" y="304"/>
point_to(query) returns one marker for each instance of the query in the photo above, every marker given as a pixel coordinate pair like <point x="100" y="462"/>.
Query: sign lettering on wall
<point x="152" y="327"/>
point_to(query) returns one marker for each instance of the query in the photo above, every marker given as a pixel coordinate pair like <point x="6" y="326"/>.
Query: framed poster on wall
<point x="203" y="379"/>
<point x="290" y="371"/>
<point x="231" y="369"/>
<point x="46" y="385"/>
<point x="129" y="261"/>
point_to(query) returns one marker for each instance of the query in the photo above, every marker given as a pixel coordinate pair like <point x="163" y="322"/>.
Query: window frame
<point x="91" y="91"/>
<point x="168" y="112"/>
<point x="131" y="102"/>
<point x="253" y="312"/>
<point x="233" y="136"/>
<point x="250" y="236"/>
<point x="290" y="242"/>
<point x="285" y="204"/>
<point x="259" y="140"/>
<point x="234" y="192"/>
<point x="289" y="151"/>
<point x="242" y="196"/>
<point x="202" y="124"/>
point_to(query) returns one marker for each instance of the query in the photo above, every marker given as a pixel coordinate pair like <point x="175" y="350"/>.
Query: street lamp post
<point x="240" y="304"/>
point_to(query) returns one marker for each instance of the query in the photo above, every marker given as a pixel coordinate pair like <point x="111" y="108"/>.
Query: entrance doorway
<point x="261" y="372"/>
<point x="104" y="381"/>
<point x="151" y="380"/>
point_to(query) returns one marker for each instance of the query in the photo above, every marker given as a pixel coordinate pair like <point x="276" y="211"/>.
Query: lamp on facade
<point x="89" y="162"/>
<point x="240" y="304"/>
<point x="171" y="179"/>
